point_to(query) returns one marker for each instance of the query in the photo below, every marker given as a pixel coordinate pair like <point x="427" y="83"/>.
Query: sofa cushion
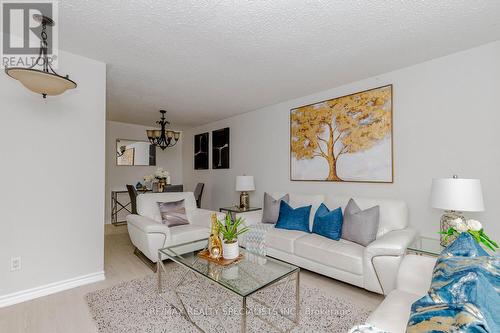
<point x="328" y="223"/>
<point x="271" y="210"/>
<point x="173" y="213"/>
<point x="282" y="239"/>
<point x="393" y="313"/>
<point x="300" y="200"/>
<point x="360" y="226"/>
<point x="342" y="254"/>
<point x="293" y="218"/>
<point x="187" y="233"/>
<point x="147" y="203"/>
<point x="393" y="212"/>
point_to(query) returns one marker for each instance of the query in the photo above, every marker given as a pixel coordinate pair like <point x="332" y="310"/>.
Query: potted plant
<point x="230" y="233"/>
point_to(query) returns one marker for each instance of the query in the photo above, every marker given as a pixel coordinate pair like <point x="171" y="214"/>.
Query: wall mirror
<point x="133" y="152"/>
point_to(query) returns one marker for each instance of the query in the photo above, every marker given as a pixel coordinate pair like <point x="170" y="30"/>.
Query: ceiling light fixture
<point x="163" y="137"/>
<point x="45" y="81"/>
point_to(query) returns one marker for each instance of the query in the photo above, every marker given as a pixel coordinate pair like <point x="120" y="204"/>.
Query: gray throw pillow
<point x="360" y="226"/>
<point x="271" y="210"/>
<point x="173" y="213"/>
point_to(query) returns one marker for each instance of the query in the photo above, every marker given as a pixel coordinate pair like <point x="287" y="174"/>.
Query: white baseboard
<point x="51" y="288"/>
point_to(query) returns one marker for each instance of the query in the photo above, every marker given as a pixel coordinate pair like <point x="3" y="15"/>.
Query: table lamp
<point x="243" y="185"/>
<point x="455" y="195"/>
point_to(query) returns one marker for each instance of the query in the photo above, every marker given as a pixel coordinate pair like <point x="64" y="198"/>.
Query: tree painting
<point x="341" y="132"/>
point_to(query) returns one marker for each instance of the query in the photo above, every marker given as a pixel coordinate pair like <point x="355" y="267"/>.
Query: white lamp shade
<point x="458" y="194"/>
<point x="245" y="183"/>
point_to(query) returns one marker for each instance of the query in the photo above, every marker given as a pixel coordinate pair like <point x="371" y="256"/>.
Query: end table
<point x="425" y="246"/>
<point x="233" y="210"/>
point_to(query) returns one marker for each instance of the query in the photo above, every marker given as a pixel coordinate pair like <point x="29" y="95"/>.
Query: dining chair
<point x="198" y="192"/>
<point x="174" y="188"/>
<point x="132" y="192"/>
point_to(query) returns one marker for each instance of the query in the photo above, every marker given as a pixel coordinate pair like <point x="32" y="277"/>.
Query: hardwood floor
<point x="67" y="312"/>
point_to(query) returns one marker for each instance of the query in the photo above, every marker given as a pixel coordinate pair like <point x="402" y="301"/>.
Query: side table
<point x="233" y="210"/>
<point x="425" y="246"/>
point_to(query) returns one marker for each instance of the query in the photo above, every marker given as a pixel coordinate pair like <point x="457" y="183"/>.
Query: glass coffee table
<point x="243" y="278"/>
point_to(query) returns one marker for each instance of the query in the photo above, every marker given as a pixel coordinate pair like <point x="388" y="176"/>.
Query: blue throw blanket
<point x="464" y="294"/>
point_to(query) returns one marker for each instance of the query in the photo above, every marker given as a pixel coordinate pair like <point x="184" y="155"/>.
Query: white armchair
<point x="149" y="235"/>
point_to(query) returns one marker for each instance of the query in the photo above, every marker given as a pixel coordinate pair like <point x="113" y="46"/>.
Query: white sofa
<point x="148" y="234"/>
<point x="373" y="267"/>
<point x="413" y="282"/>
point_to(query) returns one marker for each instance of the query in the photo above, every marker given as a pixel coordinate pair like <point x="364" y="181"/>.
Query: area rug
<point x="136" y="306"/>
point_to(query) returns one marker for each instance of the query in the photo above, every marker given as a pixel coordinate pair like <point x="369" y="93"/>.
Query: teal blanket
<point x="464" y="295"/>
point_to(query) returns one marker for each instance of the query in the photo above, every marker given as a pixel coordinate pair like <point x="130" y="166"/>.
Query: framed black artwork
<point x="220" y="149"/>
<point x="201" y="151"/>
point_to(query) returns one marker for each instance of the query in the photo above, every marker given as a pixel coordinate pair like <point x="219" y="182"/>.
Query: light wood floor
<point x="67" y="312"/>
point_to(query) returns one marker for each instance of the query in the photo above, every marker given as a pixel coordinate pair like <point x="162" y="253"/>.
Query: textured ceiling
<point x="207" y="60"/>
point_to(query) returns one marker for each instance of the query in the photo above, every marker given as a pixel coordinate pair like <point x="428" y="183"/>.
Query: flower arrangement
<point x="161" y="173"/>
<point x="474" y="228"/>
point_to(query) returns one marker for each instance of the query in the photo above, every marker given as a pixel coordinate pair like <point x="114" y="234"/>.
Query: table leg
<point x="297" y="297"/>
<point x="244" y="315"/>
<point x="158" y="272"/>
<point x="113" y="208"/>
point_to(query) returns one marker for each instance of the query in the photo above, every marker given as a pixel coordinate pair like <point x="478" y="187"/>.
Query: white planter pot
<point x="230" y="251"/>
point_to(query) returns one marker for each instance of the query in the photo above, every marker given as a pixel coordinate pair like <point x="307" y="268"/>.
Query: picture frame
<point x="344" y="139"/>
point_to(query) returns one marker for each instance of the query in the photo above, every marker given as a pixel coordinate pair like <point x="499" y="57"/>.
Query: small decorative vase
<point x="162" y="183"/>
<point x="230" y="251"/>
<point x="447" y="222"/>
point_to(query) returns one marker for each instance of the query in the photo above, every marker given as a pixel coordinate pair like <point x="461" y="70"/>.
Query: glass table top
<point x="236" y="209"/>
<point x="250" y="274"/>
<point x="427" y="245"/>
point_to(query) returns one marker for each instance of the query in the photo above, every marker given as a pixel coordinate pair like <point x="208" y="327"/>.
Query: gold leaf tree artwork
<point x="350" y="135"/>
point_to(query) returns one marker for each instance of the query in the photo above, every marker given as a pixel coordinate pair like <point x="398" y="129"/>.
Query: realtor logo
<point x="22" y="33"/>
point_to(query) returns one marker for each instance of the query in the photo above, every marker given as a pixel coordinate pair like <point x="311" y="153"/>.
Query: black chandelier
<point x="163" y="137"/>
<point x="45" y="81"/>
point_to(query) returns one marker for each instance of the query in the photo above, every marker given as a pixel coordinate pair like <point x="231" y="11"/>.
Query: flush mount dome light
<point x="45" y="81"/>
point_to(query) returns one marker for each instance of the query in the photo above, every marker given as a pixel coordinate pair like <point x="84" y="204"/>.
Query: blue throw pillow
<point x="293" y="219"/>
<point x="328" y="223"/>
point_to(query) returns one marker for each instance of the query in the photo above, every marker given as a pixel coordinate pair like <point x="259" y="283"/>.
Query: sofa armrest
<point x="251" y="218"/>
<point x="393" y="243"/>
<point x="202" y="217"/>
<point x="382" y="258"/>
<point x="415" y="274"/>
<point x="148" y="225"/>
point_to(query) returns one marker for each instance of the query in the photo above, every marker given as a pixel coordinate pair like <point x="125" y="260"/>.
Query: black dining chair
<point x="174" y="188"/>
<point x="198" y="192"/>
<point x="132" y="192"/>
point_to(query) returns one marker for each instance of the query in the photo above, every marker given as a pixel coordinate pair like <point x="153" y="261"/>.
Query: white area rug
<point x="135" y="306"/>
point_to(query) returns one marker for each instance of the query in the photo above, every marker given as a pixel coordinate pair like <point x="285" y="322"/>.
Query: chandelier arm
<point x="53" y="71"/>
<point x="39" y="57"/>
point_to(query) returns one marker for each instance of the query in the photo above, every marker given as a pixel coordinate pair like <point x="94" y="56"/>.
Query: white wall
<point x="118" y="176"/>
<point x="446" y="121"/>
<point x="52" y="178"/>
